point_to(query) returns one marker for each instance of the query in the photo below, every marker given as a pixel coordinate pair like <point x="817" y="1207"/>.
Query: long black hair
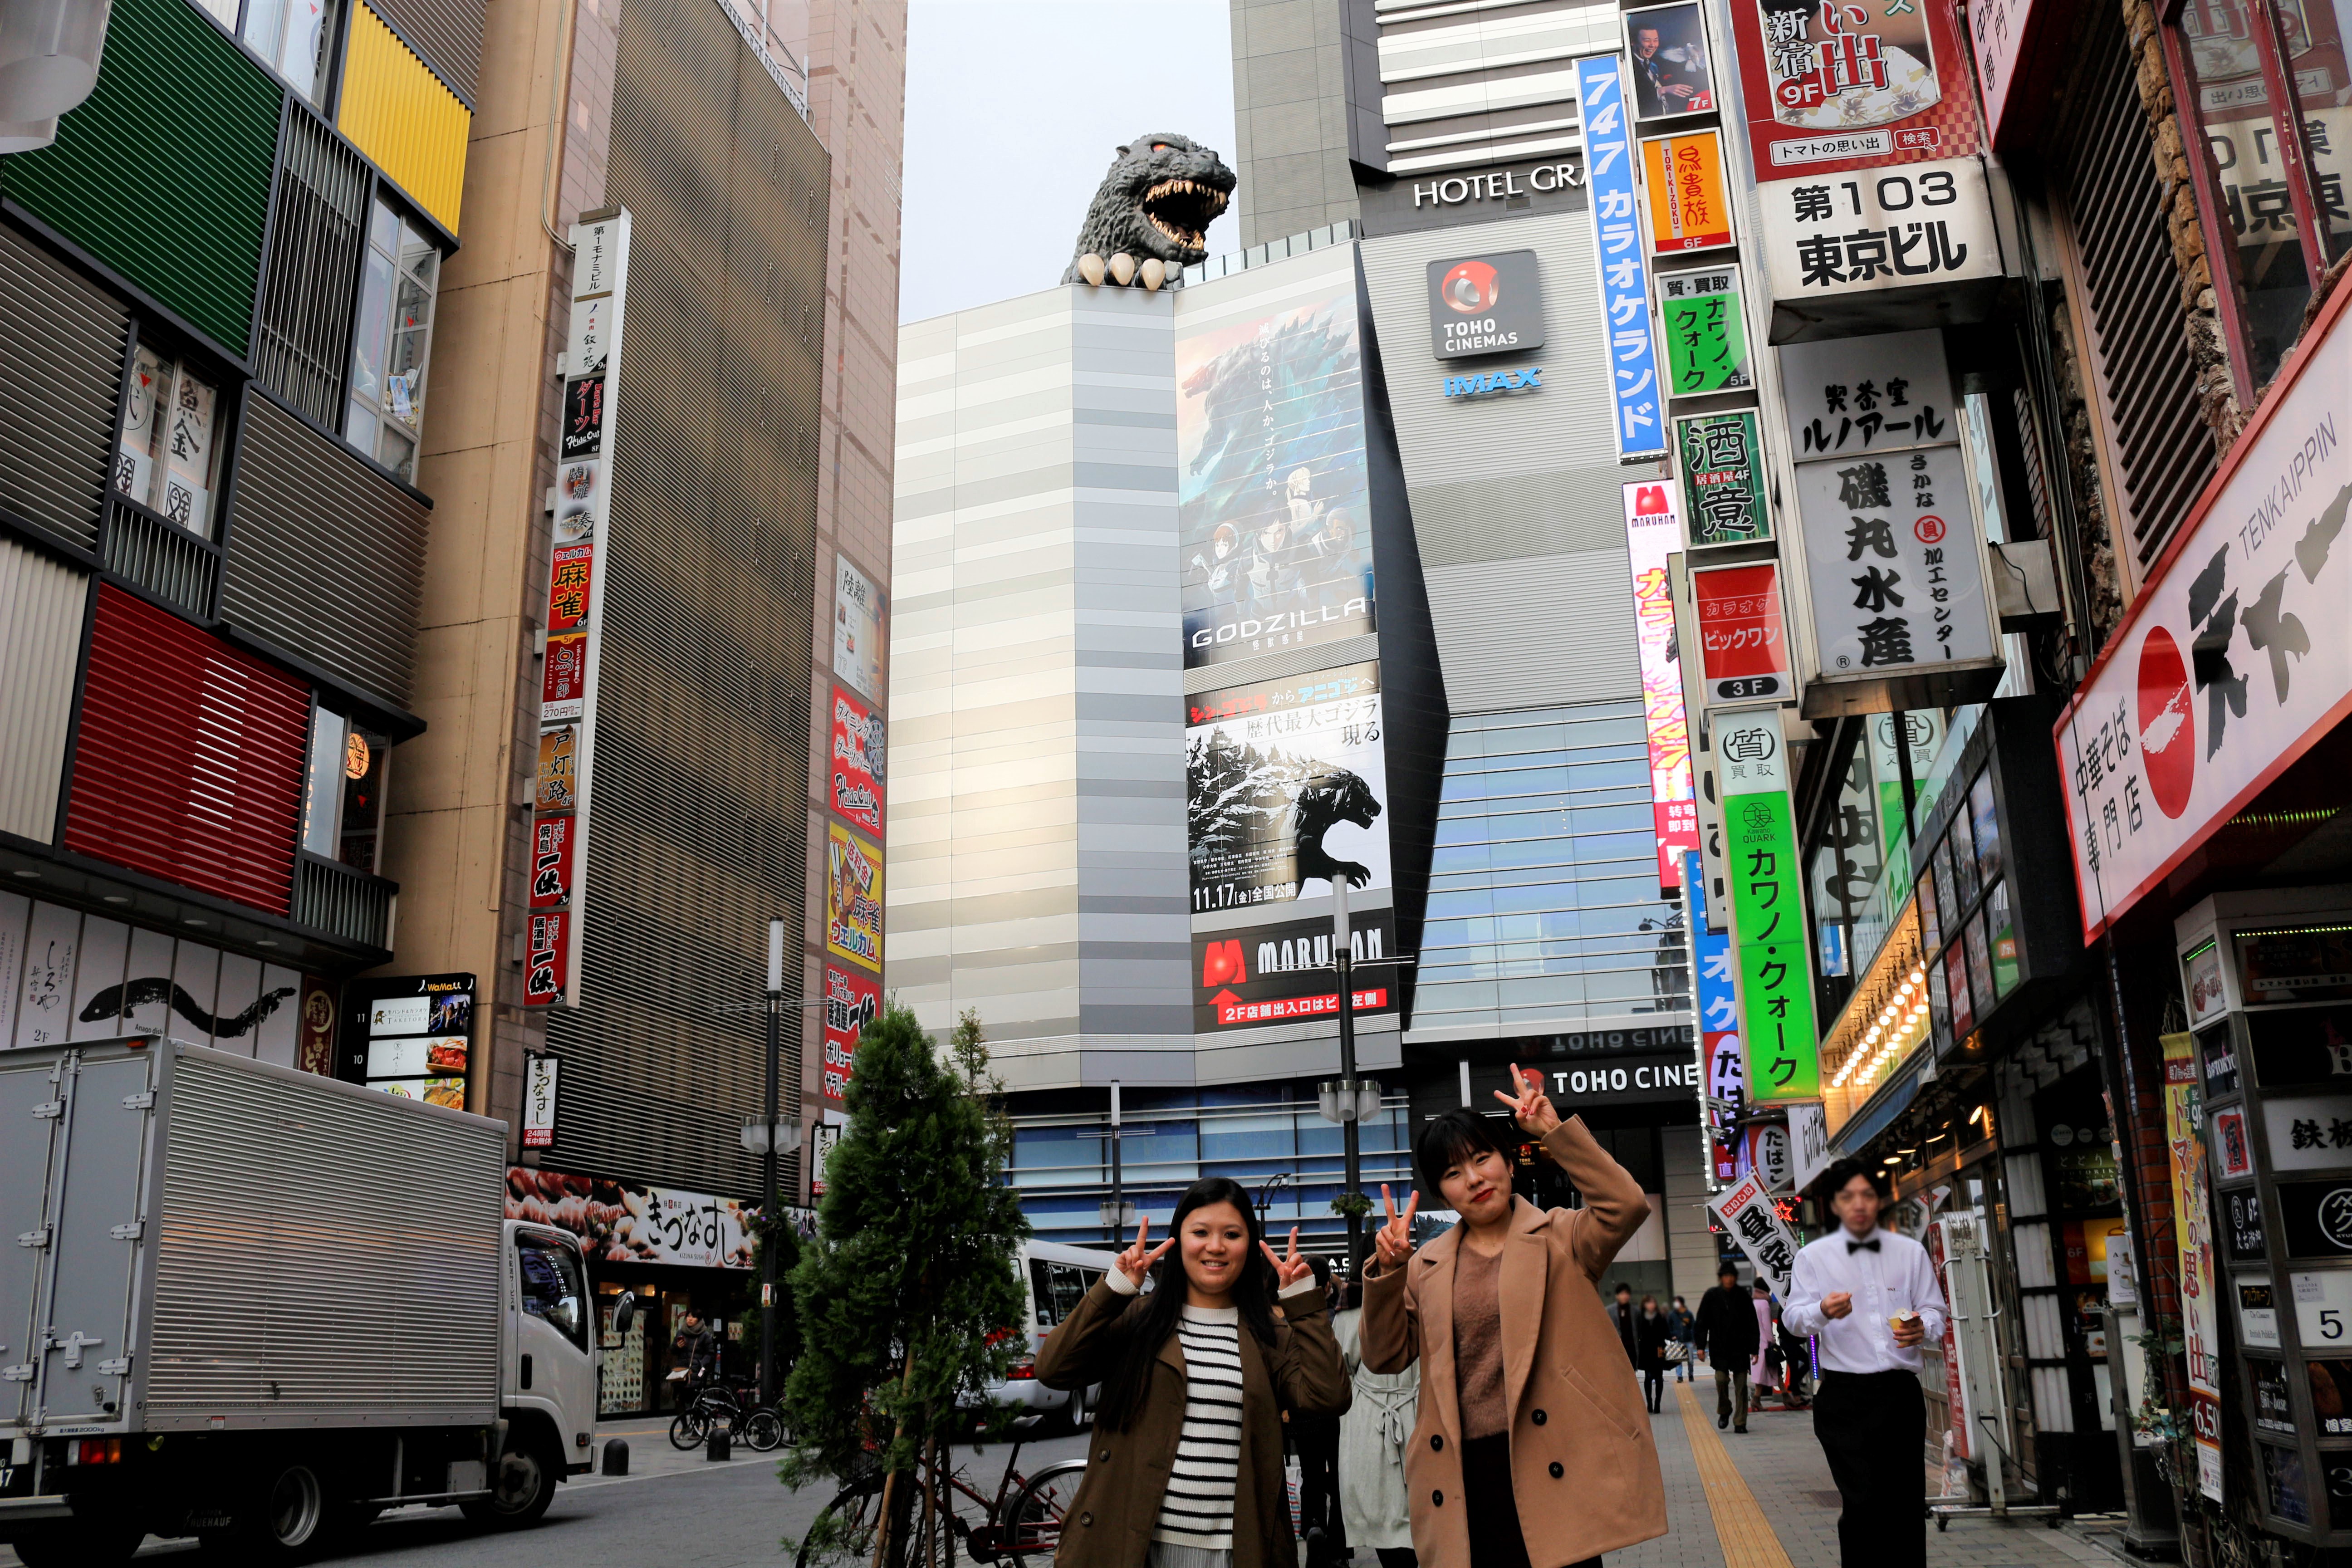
<point x="1150" y="1321"/>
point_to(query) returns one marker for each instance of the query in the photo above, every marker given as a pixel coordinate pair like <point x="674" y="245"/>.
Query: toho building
<point x="1209" y="594"/>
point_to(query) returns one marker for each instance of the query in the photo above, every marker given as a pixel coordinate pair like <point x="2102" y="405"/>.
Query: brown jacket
<point x="1108" y="1524"/>
<point x="1584" y="1469"/>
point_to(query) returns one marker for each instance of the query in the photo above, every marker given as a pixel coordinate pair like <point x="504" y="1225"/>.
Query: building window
<point x="393" y="342"/>
<point x="343" y="804"/>
<point x="2272" y="179"/>
<point x="293" y="36"/>
<point x="170" y="450"/>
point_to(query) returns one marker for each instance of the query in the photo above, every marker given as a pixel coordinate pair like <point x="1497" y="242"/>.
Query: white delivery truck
<point x="260" y="1307"/>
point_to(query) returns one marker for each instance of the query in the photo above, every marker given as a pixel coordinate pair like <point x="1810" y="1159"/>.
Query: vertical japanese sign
<point x="1743" y="656"/>
<point x="2192" y="1209"/>
<point x="1725" y="493"/>
<point x="1690" y="200"/>
<point x="852" y="1001"/>
<point x="1653" y="533"/>
<point x="1830" y="86"/>
<point x="858" y="644"/>
<point x="1639" y="425"/>
<point x="539" y="1089"/>
<point x="852" y="898"/>
<point x="1768" y="912"/>
<point x="575" y="600"/>
<point x="858" y="734"/>
<point x="1748" y="1213"/>
<point x="1706" y="332"/>
<point x="1719" y="1023"/>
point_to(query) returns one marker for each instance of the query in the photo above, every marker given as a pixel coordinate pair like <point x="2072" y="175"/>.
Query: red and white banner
<point x="1743" y="651"/>
<point x="852" y="1001"/>
<point x="856" y="763"/>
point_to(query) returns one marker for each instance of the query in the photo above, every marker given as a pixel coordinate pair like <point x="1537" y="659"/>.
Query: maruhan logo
<point x="1528" y="380"/>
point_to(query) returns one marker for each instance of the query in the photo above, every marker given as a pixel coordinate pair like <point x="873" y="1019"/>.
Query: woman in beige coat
<point x="1532" y="1449"/>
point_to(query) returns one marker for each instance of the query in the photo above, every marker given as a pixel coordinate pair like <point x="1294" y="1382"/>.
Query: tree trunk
<point x="898" y="1501"/>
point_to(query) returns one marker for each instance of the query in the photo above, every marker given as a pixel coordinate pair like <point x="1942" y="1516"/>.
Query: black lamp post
<point x="770" y="1139"/>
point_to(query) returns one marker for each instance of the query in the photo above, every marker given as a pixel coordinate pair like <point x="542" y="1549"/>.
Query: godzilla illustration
<point x="1258" y="818"/>
<point x="1336" y="797"/>
<point x="1151" y="214"/>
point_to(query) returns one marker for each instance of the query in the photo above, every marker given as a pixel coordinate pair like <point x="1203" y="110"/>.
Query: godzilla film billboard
<point x="1286" y="783"/>
<point x="1271" y="489"/>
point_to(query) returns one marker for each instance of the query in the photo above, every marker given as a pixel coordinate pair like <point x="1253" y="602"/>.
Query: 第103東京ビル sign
<point x="1879" y="247"/>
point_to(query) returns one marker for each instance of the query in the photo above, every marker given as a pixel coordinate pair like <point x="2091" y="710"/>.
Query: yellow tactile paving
<point x="1740" y="1525"/>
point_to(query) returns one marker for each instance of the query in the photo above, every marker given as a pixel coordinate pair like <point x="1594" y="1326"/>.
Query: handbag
<point x="1678" y="1350"/>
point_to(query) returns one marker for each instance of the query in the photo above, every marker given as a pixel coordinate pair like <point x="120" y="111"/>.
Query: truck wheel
<point x="68" y="1546"/>
<point x="281" y="1518"/>
<point x="522" y="1483"/>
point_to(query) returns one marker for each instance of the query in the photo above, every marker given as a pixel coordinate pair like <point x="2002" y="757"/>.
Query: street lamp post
<point x="770" y="1139"/>
<point x="1351" y="1094"/>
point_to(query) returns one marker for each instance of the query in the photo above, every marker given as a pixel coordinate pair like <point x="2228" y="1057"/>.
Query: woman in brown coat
<point x="1185" y="1462"/>
<point x="1533" y="1447"/>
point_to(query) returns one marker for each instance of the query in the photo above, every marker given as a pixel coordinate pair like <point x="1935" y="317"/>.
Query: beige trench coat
<point x="1584" y="1469"/>
<point x="1108" y="1524"/>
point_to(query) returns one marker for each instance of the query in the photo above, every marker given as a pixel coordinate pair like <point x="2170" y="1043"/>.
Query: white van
<point x="1054" y="1280"/>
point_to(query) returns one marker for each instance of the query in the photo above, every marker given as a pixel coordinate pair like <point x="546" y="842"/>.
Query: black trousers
<point x="1317" y="1437"/>
<point x="1874" y="1428"/>
<point x="1496" y="1538"/>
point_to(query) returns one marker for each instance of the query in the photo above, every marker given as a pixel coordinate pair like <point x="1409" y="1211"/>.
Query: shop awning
<point x="1879" y="1112"/>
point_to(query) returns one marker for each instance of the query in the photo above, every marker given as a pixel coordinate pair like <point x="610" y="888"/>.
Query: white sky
<point x="1014" y="110"/>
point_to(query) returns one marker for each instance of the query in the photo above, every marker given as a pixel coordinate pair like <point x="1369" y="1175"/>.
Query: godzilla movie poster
<point x="1276" y="537"/>
<point x="1286" y="784"/>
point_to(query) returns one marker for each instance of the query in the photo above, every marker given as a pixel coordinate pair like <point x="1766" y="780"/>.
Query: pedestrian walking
<point x="1316" y="1440"/>
<point x="1759" y="1370"/>
<point x="1185" y="1464"/>
<point x="1871" y="1296"/>
<point x="1625" y="1316"/>
<point x="1678" y="1327"/>
<point x="1531" y="1453"/>
<point x="695" y="1348"/>
<point x="1650" y="1335"/>
<point x="1374" y="1506"/>
<point x="1725" y="1331"/>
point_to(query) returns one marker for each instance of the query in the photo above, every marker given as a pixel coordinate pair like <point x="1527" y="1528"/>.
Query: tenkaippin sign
<point x="1487" y="304"/>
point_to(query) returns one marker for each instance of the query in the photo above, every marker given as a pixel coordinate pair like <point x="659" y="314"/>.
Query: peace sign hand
<point x="1531" y="1108"/>
<point x="1290" y="1269"/>
<point x="1135" y="1263"/>
<point x="1393" y="1241"/>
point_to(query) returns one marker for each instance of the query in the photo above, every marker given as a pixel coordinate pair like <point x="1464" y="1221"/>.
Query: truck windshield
<point x="553" y="1290"/>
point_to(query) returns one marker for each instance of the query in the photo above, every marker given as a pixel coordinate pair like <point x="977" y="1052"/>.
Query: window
<point x="342" y="806"/>
<point x="552" y="1291"/>
<point x="293" y="36"/>
<point x="171" y="440"/>
<point x="1057" y="1289"/>
<point x="396" y="332"/>
<point x="322" y="802"/>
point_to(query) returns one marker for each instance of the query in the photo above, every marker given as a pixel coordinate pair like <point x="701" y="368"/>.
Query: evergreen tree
<point x="906" y="1296"/>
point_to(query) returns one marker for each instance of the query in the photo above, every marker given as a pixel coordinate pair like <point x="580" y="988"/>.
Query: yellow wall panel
<point x="397" y="111"/>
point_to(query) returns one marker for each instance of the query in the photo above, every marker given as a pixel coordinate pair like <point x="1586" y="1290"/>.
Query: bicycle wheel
<point x="1034" y="1529"/>
<point x="764" y="1430"/>
<point x="690" y="1430"/>
<point x="843" y="1528"/>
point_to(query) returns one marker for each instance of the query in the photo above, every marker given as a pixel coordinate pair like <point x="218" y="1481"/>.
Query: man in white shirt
<point x="1871" y="1295"/>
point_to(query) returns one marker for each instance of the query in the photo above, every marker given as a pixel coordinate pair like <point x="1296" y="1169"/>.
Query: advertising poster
<point x="629" y="1222"/>
<point x="858" y="643"/>
<point x="1652" y="533"/>
<point x="2200" y="1311"/>
<point x="858" y="733"/>
<point x="852" y="898"/>
<point x="1725" y="496"/>
<point x="1743" y="654"/>
<point x="1830" y="86"/>
<point x="1273" y="538"/>
<point x="1285" y="784"/>
<point x="1485" y="304"/>
<point x="1279" y="973"/>
<point x="417" y="1035"/>
<point x="1665" y="48"/>
<point x="1775" y="958"/>
<point x="1690" y="200"/>
<point x="1705" y="332"/>
<point x="852" y="1002"/>
<point x="1754" y="1220"/>
<point x="1621" y="259"/>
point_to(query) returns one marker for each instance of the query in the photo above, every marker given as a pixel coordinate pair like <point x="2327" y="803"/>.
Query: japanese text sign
<point x="553" y="851"/>
<point x="1706" y="332"/>
<point x="852" y="898"/>
<point x="1858" y="234"/>
<point x="1652" y="533"/>
<point x="2234" y="659"/>
<point x="1830" y="84"/>
<point x="856" y="764"/>
<point x="1639" y="404"/>
<point x="852" y="1001"/>
<point x="1999" y="32"/>
<point x="1748" y="1213"/>
<point x="2192" y="1209"/>
<point x="1891" y="559"/>
<point x="1775" y="957"/>
<point x="1718" y="1005"/>
<point x="539" y="1089"/>
<point x="1867" y="394"/>
<point x="1743" y="652"/>
<point x="1725" y="493"/>
<point x="1690" y="200"/>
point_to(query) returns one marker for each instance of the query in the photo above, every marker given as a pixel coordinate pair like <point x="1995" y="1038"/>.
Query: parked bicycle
<point x="758" y="1427"/>
<point x="1019" y="1527"/>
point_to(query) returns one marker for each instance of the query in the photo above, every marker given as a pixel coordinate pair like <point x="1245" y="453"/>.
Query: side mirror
<point x="624" y="1312"/>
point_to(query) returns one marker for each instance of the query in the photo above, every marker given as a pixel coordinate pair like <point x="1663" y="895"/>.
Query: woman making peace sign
<point x="1533" y="1447"/>
<point x="1185" y="1462"/>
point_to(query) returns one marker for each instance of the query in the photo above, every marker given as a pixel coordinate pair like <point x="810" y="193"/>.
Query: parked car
<point x="1053" y="1279"/>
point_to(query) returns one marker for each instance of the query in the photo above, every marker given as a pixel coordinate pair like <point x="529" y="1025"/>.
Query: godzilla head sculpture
<point x="1151" y="214"/>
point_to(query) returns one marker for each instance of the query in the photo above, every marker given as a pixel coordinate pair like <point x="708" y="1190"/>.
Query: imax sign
<point x="1529" y="379"/>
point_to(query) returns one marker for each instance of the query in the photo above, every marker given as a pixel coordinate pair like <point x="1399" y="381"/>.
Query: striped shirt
<point x="1197" y="1509"/>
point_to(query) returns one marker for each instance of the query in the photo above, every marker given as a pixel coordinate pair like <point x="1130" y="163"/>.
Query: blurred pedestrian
<point x="1725" y="1330"/>
<point x="1624" y="1315"/>
<point x="1678" y="1327"/>
<point x="1650" y="1334"/>
<point x="1373" y="1501"/>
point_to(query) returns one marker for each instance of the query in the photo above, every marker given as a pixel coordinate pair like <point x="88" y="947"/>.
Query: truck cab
<point x="549" y="1381"/>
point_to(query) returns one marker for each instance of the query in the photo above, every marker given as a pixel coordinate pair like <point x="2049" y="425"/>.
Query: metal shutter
<point x="61" y="349"/>
<point x="2104" y="168"/>
<point x="325" y="556"/>
<point x="312" y="275"/>
<point x="189" y="762"/>
<point x="163" y="174"/>
<point x="447" y="34"/>
<point x="41" y="608"/>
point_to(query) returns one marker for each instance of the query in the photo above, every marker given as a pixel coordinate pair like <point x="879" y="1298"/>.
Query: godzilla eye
<point x="1160" y="146"/>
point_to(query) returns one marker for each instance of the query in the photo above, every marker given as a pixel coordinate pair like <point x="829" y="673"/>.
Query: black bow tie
<point x="1853" y="1247"/>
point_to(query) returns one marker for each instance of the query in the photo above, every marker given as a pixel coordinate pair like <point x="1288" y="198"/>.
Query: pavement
<point x="1762" y="1499"/>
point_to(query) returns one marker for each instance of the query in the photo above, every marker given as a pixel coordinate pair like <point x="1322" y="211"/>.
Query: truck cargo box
<point x="196" y="1241"/>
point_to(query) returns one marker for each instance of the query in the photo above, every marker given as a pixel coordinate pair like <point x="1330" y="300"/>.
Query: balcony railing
<point x="331" y="897"/>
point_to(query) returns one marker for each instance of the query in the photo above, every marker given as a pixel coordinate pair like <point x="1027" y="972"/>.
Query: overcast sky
<point x="1016" y="110"/>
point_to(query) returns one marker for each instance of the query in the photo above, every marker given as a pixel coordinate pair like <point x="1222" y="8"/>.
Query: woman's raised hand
<point x="1393" y="1240"/>
<point x="1289" y="1268"/>
<point x="1531" y="1108"/>
<point x="1135" y="1262"/>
